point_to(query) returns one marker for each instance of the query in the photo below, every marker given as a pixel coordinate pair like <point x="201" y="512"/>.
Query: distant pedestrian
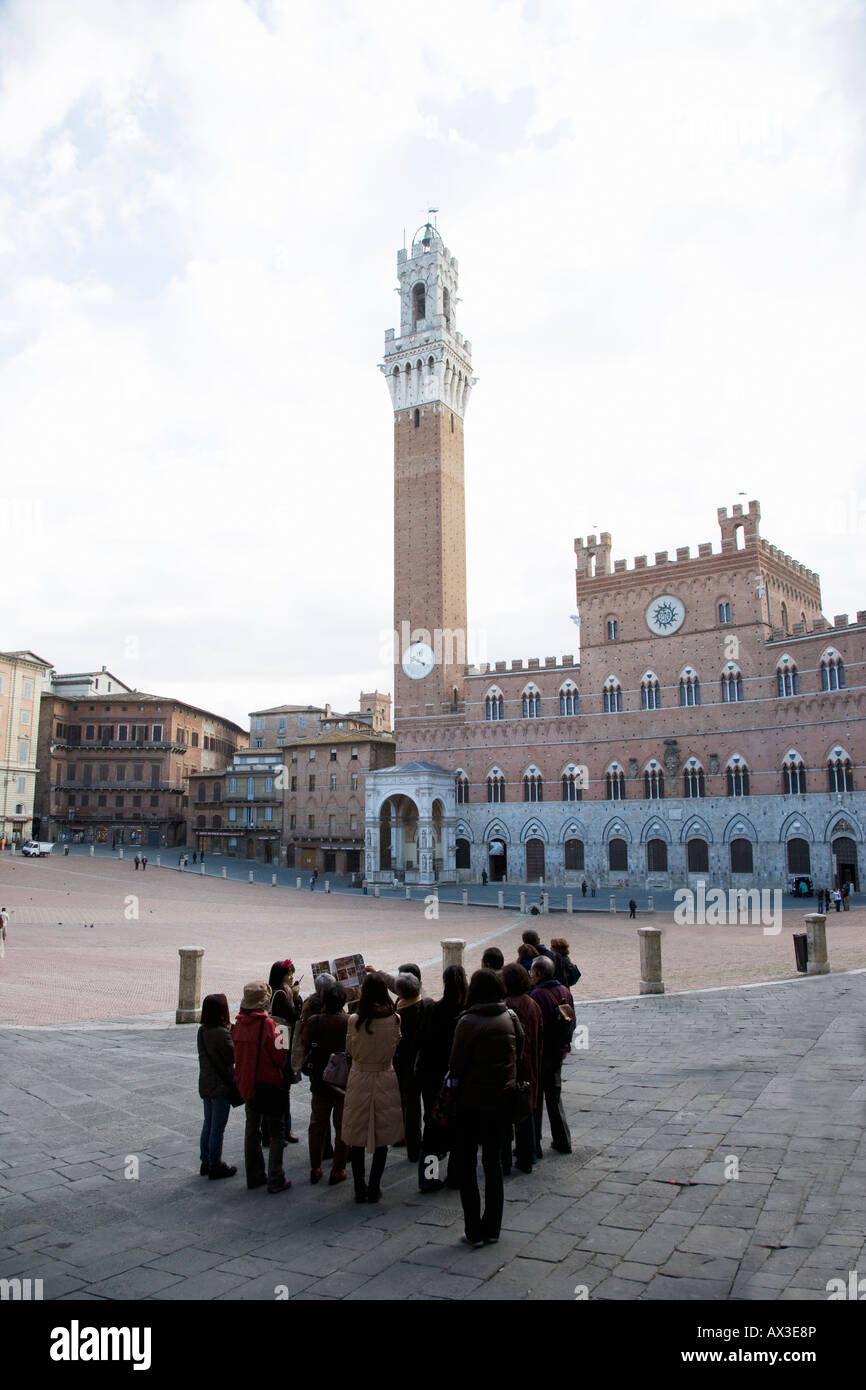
<point x="483" y="878"/>
<point x="143" y="862"/>
<point x="137" y="861"/>
<point x="846" y="891"/>
<point x="179" y="860"/>
<point x="592" y="887"/>
<point x="4" y="919"/>
<point x="632" y="907"/>
<point x="193" y="856"/>
<point x="201" y="857"/>
<point x="837" y="899"/>
<point x="313" y="880"/>
<point x="820" y="897"/>
<point x="583" y="888"/>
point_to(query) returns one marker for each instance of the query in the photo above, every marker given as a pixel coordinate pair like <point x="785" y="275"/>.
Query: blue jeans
<point x="216" y="1117"/>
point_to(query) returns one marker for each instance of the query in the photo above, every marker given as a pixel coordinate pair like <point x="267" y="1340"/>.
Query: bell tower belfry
<point x="428" y="368"/>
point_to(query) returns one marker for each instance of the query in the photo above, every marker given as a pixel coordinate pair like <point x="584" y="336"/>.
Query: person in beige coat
<point x="372" y="1114"/>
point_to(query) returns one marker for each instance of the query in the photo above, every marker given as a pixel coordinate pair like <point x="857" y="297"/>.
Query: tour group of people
<point x="474" y="1069"/>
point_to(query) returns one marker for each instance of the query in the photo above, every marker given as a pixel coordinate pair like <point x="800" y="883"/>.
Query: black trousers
<point x="484" y="1128"/>
<point x="550" y="1091"/>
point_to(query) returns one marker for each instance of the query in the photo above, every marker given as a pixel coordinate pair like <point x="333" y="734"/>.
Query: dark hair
<point x="485" y="987"/>
<point x="374" y="996"/>
<point x="215" y="1011"/>
<point x="454" y="988"/>
<point x="516" y="980"/>
<point x="493" y="959"/>
<point x="560" y="945"/>
<point x="531" y="937"/>
<point x="333" y="999"/>
<point x="277" y="975"/>
<point x="527" y="952"/>
<point x="409" y="969"/>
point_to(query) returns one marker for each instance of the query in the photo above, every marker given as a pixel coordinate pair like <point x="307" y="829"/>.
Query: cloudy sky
<point x="658" y="209"/>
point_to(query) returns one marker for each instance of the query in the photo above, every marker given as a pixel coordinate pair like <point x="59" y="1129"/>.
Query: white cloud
<point x="658" y="218"/>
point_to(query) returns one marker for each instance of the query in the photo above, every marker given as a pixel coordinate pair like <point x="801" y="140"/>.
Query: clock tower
<point x="428" y="368"/>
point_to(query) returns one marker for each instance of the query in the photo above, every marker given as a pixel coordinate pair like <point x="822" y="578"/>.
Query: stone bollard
<point x="649" y="904"/>
<point x="91" y="851"/>
<point x="120" y="854"/>
<point x="189" y="985"/>
<point x="545" y="901"/>
<point x="297" y="883"/>
<point x="465" y="897"/>
<point x="569" y="902"/>
<point x="816" y="944"/>
<point x="327" y="886"/>
<point x="650" y="960"/>
<point x="273" y="880"/>
<point x="523" y="903"/>
<point x="408" y="892"/>
<point x="500" y="898"/>
<point x="452" y="951"/>
<point x="13" y="848"/>
<point x="158" y="864"/>
<point x="225" y="875"/>
<point x="375" y="890"/>
<point x="612" y="903"/>
<point x="252" y="880"/>
<point x="201" y="868"/>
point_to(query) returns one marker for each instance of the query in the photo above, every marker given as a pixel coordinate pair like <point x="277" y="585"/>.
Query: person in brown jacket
<point x="488" y="1040"/>
<point x="372" y="1113"/>
<point x="517" y="986"/>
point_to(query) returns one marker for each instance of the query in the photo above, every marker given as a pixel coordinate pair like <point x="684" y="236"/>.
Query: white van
<point x="36" y="848"/>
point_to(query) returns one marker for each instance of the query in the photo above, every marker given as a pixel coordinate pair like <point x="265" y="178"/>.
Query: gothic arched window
<point x="690" y="688"/>
<point x="533" y="787"/>
<point x="612" y="696"/>
<point x="787" y="677"/>
<point x="737" y="777"/>
<point x="650" y="692"/>
<point x="832" y="672"/>
<point x="495" y="785"/>
<point x="693" y="779"/>
<point x="793" y="775"/>
<point x="531" y="702"/>
<point x="841" y="772"/>
<point x="732" y="686"/>
<point x="654" y="782"/>
<point x="615" y="779"/>
<point x="494" y="705"/>
<point x="568" y="699"/>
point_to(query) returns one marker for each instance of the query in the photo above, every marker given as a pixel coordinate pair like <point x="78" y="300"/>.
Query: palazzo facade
<point x="712" y="729"/>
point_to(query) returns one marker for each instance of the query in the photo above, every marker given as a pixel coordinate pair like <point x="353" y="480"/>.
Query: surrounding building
<point x="296" y="796"/>
<point x="115" y="763"/>
<point x="22" y="675"/>
<point x="713" y="727"/>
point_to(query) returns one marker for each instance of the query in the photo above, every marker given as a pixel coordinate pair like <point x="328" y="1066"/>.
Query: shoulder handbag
<point x="336" y="1072"/>
<point x="445" y="1105"/>
<point x="267" y="1098"/>
<point x="234" y="1096"/>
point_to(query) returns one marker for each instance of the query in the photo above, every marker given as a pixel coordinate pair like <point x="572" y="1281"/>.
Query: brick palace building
<point x="713" y="727"/>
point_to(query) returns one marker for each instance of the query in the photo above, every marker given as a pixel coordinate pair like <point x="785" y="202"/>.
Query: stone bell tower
<point x="428" y="368"/>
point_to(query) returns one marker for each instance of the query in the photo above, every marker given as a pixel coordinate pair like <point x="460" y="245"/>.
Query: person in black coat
<point x="435" y="1038"/>
<point x="285" y="1010"/>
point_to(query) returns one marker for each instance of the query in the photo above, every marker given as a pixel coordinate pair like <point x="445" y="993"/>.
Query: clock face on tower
<point x="665" y="615"/>
<point x="418" y="660"/>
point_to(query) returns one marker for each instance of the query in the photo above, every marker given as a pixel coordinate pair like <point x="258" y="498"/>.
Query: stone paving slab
<point x="641" y="1210"/>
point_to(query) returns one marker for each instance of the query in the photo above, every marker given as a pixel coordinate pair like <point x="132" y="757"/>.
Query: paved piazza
<point x="649" y="1206"/>
<point x="57" y="970"/>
